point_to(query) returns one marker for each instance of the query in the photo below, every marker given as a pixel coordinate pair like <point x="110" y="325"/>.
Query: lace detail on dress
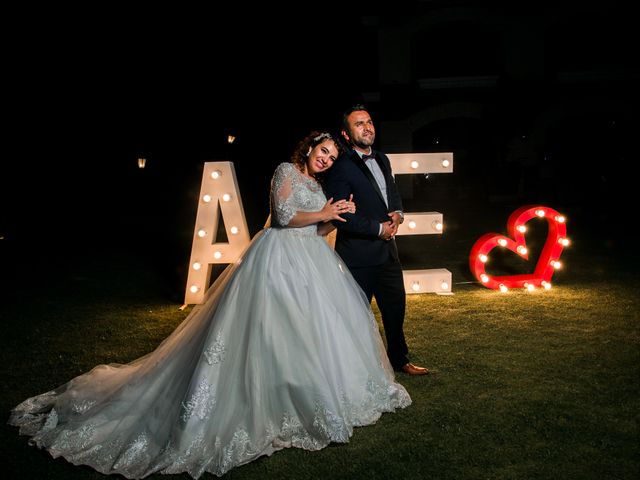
<point x="291" y="192"/>
<point x="239" y="450"/>
<point x="329" y="425"/>
<point x="216" y="352"/>
<point x="51" y="422"/>
<point x="73" y="440"/>
<point x="293" y="434"/>
<point x="83" y="406"/>
<point x="191" y="461"/>
<point x="308" y="231"/>
<point x="139" y="457"/>
<point x="33" y="413"/>
<point x="385" y="396"/>
<point x="201" y="402"/>
<point x="36" y="403"/>
<point x="134" y="451"/>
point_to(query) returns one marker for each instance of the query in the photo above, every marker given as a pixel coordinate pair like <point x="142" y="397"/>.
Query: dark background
<point x="88" y="91"/>
<point x="85" y="98"/>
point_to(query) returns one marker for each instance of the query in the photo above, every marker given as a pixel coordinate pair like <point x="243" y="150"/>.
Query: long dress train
<point x="284" y="352"/>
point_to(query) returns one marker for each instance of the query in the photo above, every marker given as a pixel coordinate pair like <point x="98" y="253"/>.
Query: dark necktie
<point x="366" y="157"/>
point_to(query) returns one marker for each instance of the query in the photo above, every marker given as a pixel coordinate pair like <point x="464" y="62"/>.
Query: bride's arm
<point x="284" y="207"/>
<point x="330" y="211"/>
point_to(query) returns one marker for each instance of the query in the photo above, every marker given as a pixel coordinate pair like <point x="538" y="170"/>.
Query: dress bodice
<point x="292" y="192"/>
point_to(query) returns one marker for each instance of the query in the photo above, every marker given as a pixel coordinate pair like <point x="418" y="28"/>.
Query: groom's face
<point x="361" y="132"/>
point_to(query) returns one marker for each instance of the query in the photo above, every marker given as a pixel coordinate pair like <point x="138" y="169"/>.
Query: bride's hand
<point x="332" y="211"/>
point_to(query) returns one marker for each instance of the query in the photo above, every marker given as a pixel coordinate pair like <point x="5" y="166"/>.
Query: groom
<point x="366" y="241"/>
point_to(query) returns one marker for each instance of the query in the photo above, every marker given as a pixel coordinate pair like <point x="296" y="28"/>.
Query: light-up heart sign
<point x="548" y="261"/>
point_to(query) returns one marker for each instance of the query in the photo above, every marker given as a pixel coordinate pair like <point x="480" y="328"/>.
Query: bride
<point x="284" y="352"/>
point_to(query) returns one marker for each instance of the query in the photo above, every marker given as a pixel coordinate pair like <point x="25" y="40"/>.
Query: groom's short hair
<point x="358" y="107"/>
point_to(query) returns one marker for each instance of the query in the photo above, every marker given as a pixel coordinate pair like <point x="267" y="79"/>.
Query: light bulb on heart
<point x="547" y="263"/>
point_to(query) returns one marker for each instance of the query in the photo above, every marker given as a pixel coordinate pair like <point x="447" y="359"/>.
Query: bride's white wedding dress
<point x="285" y="352"/>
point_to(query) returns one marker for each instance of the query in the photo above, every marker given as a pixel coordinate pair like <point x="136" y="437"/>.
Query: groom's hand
<point x="396" y="218"/>
<point x="389" y="230"/>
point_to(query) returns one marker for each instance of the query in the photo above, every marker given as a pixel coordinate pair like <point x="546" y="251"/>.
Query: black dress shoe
<point x="411" y="369"/>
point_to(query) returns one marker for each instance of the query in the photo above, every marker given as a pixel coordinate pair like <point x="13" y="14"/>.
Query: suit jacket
<point x="357" y="240"/>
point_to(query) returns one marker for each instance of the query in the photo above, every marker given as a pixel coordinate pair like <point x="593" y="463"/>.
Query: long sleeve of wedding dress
<point x="285" y="352"/>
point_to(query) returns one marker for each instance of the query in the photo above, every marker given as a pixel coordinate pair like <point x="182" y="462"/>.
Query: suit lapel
<point x="363" y="166"/>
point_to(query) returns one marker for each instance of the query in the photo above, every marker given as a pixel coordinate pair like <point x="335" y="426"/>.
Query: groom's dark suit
<point x="372" y="261"/>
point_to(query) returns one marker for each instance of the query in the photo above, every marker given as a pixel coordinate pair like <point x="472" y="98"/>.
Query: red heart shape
<point x="547" y="263"/>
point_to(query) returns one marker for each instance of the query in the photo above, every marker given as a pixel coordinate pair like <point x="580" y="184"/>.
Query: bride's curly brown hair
<point x="300" y="153"/>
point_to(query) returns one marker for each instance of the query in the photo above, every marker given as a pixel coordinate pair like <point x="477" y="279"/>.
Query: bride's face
<point x="321" y="157"/>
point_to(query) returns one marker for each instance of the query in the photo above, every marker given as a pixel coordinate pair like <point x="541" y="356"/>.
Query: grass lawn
<point x="524" y="386"/>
